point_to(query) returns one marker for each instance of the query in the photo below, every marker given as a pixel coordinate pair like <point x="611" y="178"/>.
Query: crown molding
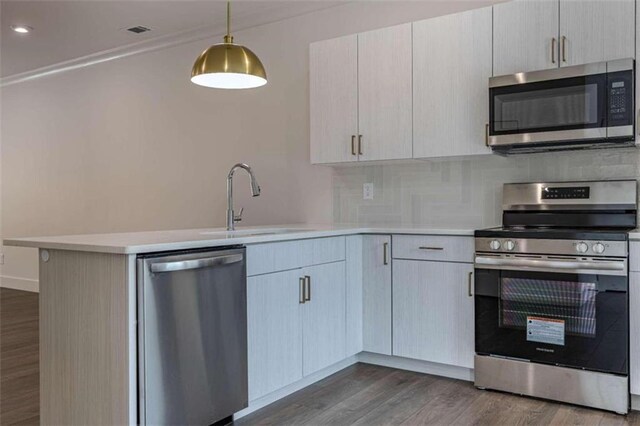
<point x="150" y="45"/>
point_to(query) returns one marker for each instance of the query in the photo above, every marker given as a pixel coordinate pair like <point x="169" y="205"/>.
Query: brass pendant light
<point x="228" y="65"/>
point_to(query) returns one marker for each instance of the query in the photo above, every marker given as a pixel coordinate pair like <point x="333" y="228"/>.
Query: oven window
<point x="568" y="319"/>
<point x="559" y="306"/>
<point x="566" y="104"/>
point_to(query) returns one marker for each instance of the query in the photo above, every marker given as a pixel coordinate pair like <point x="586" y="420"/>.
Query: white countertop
<point x="156" y="241"/>
<point x="634" y="235"/>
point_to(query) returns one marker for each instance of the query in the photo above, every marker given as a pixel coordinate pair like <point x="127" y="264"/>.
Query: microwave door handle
<point x="552" y="264"/>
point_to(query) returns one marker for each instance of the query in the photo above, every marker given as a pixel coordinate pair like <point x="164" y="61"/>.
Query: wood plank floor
<point x="359" y="395"/>
<point x="371" y="395"/>
<point x="19" y="372"/>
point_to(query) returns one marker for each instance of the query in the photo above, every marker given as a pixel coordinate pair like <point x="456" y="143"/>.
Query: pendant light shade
<point x="228" y="65"/>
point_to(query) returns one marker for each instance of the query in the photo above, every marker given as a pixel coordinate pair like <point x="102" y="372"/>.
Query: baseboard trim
<point x="426" y="367"/>
<point x="16" y="283"/>
<point x="635" y="402"/>
<point x="294" y="387"/>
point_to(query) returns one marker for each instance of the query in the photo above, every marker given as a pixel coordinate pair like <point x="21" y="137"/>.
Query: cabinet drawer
<point x="325" y="250"/>
<point x="285" y="255"/>
<point x="634" y="256"/>
<point x="433" y="247"/>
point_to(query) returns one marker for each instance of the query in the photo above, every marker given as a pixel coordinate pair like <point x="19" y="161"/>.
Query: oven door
<point x="553" y="315"/>
<point x="584" y="104"/>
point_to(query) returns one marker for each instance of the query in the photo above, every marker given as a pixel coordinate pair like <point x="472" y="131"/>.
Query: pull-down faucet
<point x="232" y="218"/>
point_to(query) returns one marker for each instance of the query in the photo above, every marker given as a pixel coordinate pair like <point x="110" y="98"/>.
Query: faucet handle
<point x="238" y="217"/>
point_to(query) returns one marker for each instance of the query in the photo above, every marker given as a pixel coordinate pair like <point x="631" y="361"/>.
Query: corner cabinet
<point x="533" y="35"/>
<point x="376" y="294"/>
<point x="451" y="68"/>
<point x="360" y="97"/>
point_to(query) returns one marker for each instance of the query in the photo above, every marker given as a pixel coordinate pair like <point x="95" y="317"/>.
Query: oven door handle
<point x="545" y="264"/>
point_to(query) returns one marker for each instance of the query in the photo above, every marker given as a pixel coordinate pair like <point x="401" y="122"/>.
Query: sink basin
<point x="250" y="232"/>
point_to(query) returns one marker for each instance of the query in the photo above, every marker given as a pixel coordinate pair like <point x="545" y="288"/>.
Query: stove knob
<point x="494" y="244"/>
<point x="598" y="248"/>
<point x="509" y="245"/>
<point x="582" y="247"/>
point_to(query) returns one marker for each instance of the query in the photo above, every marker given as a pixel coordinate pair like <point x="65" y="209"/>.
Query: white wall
<point x="131" y="144"/>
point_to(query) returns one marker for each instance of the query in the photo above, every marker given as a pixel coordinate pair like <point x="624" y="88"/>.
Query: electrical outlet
<point x="367" y="191"/>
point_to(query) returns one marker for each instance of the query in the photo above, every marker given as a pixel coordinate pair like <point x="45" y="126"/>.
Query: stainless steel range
<point x="552" y="293"/>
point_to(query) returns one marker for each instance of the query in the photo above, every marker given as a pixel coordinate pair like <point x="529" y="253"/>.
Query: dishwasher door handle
<point x="185" y="265"/>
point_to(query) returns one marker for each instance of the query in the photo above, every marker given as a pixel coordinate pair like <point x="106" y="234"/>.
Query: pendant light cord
<point x="228" y="38"/>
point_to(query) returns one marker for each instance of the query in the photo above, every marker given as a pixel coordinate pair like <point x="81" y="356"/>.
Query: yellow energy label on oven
<point x="545" y="330"/>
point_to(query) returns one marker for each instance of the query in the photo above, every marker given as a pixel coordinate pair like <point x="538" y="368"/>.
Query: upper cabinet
<point x="531" y="35"/>
<point x="421" y="90"/>
<point x="451" y="68"/>
<point x="360" y="97"/>
<point x="334" y="99"/>
<point x="595" y="31"/>
<point x="525" y="36"/>
<point x="384" y="94"/>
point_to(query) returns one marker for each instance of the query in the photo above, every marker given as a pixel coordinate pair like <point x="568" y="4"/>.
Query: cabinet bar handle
<point x="301" y="299"/>
<point x="553" y="50"/>
<point x="470" y="284"/>
<point x="431" y="248"/>
<point x="385" y="253"/>
<point x="359" y="144"/>
<point x="486" y="135"/>
<point x="564" y="49"/>
<point x="307" y="280"/>
<point x="353" y="145"/>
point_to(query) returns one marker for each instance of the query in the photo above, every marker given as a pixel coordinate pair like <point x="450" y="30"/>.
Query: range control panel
<point x="565" y="193"/>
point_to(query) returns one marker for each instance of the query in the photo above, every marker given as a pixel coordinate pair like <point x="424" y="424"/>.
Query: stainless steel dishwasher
<point x="192" y="336"/>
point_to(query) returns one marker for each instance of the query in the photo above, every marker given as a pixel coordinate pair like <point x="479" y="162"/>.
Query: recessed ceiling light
<point x="22" y="29"/>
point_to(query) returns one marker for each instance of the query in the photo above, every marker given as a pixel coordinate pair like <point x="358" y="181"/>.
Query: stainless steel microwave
<point x="577" y="107"/>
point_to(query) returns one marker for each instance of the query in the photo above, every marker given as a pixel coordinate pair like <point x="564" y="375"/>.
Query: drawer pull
<point x="302" y="282"/>
<point x="431" y="248"/>
<point x="470" y="284"/>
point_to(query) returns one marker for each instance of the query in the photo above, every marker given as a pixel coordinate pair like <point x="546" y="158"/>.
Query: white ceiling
<point x="65" y="30"/>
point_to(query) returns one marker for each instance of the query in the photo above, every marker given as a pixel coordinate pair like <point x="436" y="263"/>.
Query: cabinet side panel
<point x="84" y="339"/>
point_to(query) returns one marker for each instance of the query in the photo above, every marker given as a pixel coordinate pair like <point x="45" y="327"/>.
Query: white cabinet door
<point x="274" y="321"/>
<point x="376" y="293"/>
<point x="384" y="93"/>
<point x="596" y="31"/>
<point x="524" y="32"/>
<point x="354" y="294"/>
<point x="433" y="311"/>
<point x="333" y="69"/>
<point x="451" y="69"/>
<point x="634" y="332"/>
<point x="324" y="317"/>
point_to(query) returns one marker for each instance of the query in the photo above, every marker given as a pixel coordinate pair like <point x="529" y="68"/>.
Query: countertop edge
<point x="49" y="243"/>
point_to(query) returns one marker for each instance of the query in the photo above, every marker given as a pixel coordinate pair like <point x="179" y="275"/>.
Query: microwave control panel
<point x="620" y="102"/>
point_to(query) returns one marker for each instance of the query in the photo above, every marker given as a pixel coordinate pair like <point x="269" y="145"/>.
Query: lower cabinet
<point x="274" y="331"/>
<point x="324" y="317"/>
<point x="376" y="294"/>
<point x="290" y="337"/>
<point x="634" y="330"/>
<point x="433" y="311"/>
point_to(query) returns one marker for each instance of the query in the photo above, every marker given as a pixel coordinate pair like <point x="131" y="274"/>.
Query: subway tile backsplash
<point x="464" y="192"/>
